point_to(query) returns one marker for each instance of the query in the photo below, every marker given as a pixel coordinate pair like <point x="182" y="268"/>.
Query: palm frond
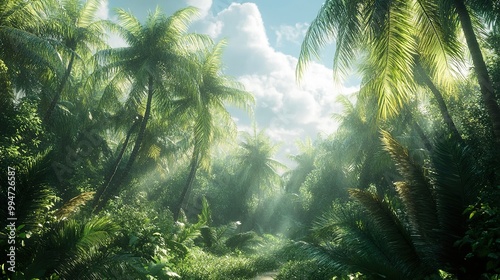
<point x="437" y="50"/>
<point x="73" y="204"/>
<point x="34" y="196"/>
<point x="351" y="241"/>
<point x="390" y="60"/>
<point x="67" y="245"/>
<point x="457" y="183"/>
<point x="323" y="29"/>
<point x="396" y="236"/>
<point x="416" y="191"/>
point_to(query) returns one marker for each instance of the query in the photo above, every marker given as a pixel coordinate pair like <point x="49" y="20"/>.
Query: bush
<point x="205" y="266"/>
<point x="303" y="270"/>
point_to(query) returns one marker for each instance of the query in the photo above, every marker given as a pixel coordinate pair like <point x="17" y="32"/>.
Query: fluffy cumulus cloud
<point x="287" y="110"/>
<point x="203" y="5"/>
<point x="290" y="33"/>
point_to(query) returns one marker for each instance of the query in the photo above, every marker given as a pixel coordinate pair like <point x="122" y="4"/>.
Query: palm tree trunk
<point x="114" y="188"/>
<point x="483" y="77"/>
<point x="60" y="88"/>
<point x="421" y="134"/>
<point x="364" y="175"/>
<point x="445" y="113"/>
<point x="183" y="199"/>
<point x="112" y="173"/>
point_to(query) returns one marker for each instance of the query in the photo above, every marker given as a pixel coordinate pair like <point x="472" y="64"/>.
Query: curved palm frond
<point x="72" y="248"/>
<point x="351" y="241"/>
<point x="415" y="190"/>
<point x="457" y="182"/>
<point x="438" y="48"/>
<point x="338" y="20"/>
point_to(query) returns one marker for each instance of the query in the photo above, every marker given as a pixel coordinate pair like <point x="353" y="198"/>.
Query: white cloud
<point x="286" y="110"/>
<point x="290" y="33"/>
<point x="114" y="40"/>
<point x="203" y="5"/>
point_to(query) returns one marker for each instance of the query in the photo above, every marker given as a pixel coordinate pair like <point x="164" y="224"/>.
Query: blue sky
<point x="264" y="38"/>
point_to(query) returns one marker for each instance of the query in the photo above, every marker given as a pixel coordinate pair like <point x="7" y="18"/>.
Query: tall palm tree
<point x="158" y="62"/>
<point x="465" y="9"/>
<point x="74" y="30"/>
<point x="398" y="36"/>
<point x="396" y="46"/>
<point x="206" y="107"/>
<point x="258" y="173"/>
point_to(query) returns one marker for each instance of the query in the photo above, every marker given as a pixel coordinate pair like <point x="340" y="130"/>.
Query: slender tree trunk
<point x="110" y="176"/>
<point x="183" y="199"/>
<point x="364" y="175"/>
<point x="421" y="134"/>
<point x="480" y="68"/>
<point x="445" y="113"/>
<point x="60" y="88"/>
<point x="114" y="188"/>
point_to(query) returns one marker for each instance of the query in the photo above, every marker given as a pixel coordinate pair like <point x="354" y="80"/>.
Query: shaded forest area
<point x="124" y="163"/>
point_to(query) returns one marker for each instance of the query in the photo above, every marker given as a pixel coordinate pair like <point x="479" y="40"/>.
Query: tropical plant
<point x="75" y="33"/>
<point x="27" y="56"/>
<point x="258" y="172"/>
<point x="400" y="45"/>
<point x="414" y="240"/>
<point x="158" y="63"/>
<point x="72" y="249"/>
<point x="206" y="107"/>
<point x="305" y="164"/>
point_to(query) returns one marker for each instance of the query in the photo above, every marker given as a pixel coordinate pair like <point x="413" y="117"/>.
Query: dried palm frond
<point x="73" y="205"/>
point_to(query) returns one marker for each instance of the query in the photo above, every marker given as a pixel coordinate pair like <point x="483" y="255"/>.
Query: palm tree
<point x="383" y="240"/>
<point x="212" y="121"/>
<point x="27" y="56"/>
<point x="158" y="63"/>
<point x="305" y="165"/>
<point x="397" y="42"/>
<point x="358" y="131"/>
<point x="464" y="9"/>
<point x="258" y="172"/>
<point x="421" y="75"/>
<point x="76" y="33"/>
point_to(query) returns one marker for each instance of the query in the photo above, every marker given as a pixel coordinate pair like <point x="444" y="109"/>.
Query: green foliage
<point x="263" y="257"/>
<point x="201" y="265"/>
<point x="304" y="270"/>
<point x="69" y="248"/>
<point x="482" y="237"/>
<point x="80" y="119"/>
<point x="22" y="132"/>
<point x="378" y="240"/>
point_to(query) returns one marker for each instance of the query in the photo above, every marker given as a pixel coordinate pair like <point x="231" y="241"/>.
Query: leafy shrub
<point x="205" y="266"/>
<point x="304" y="270"/>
